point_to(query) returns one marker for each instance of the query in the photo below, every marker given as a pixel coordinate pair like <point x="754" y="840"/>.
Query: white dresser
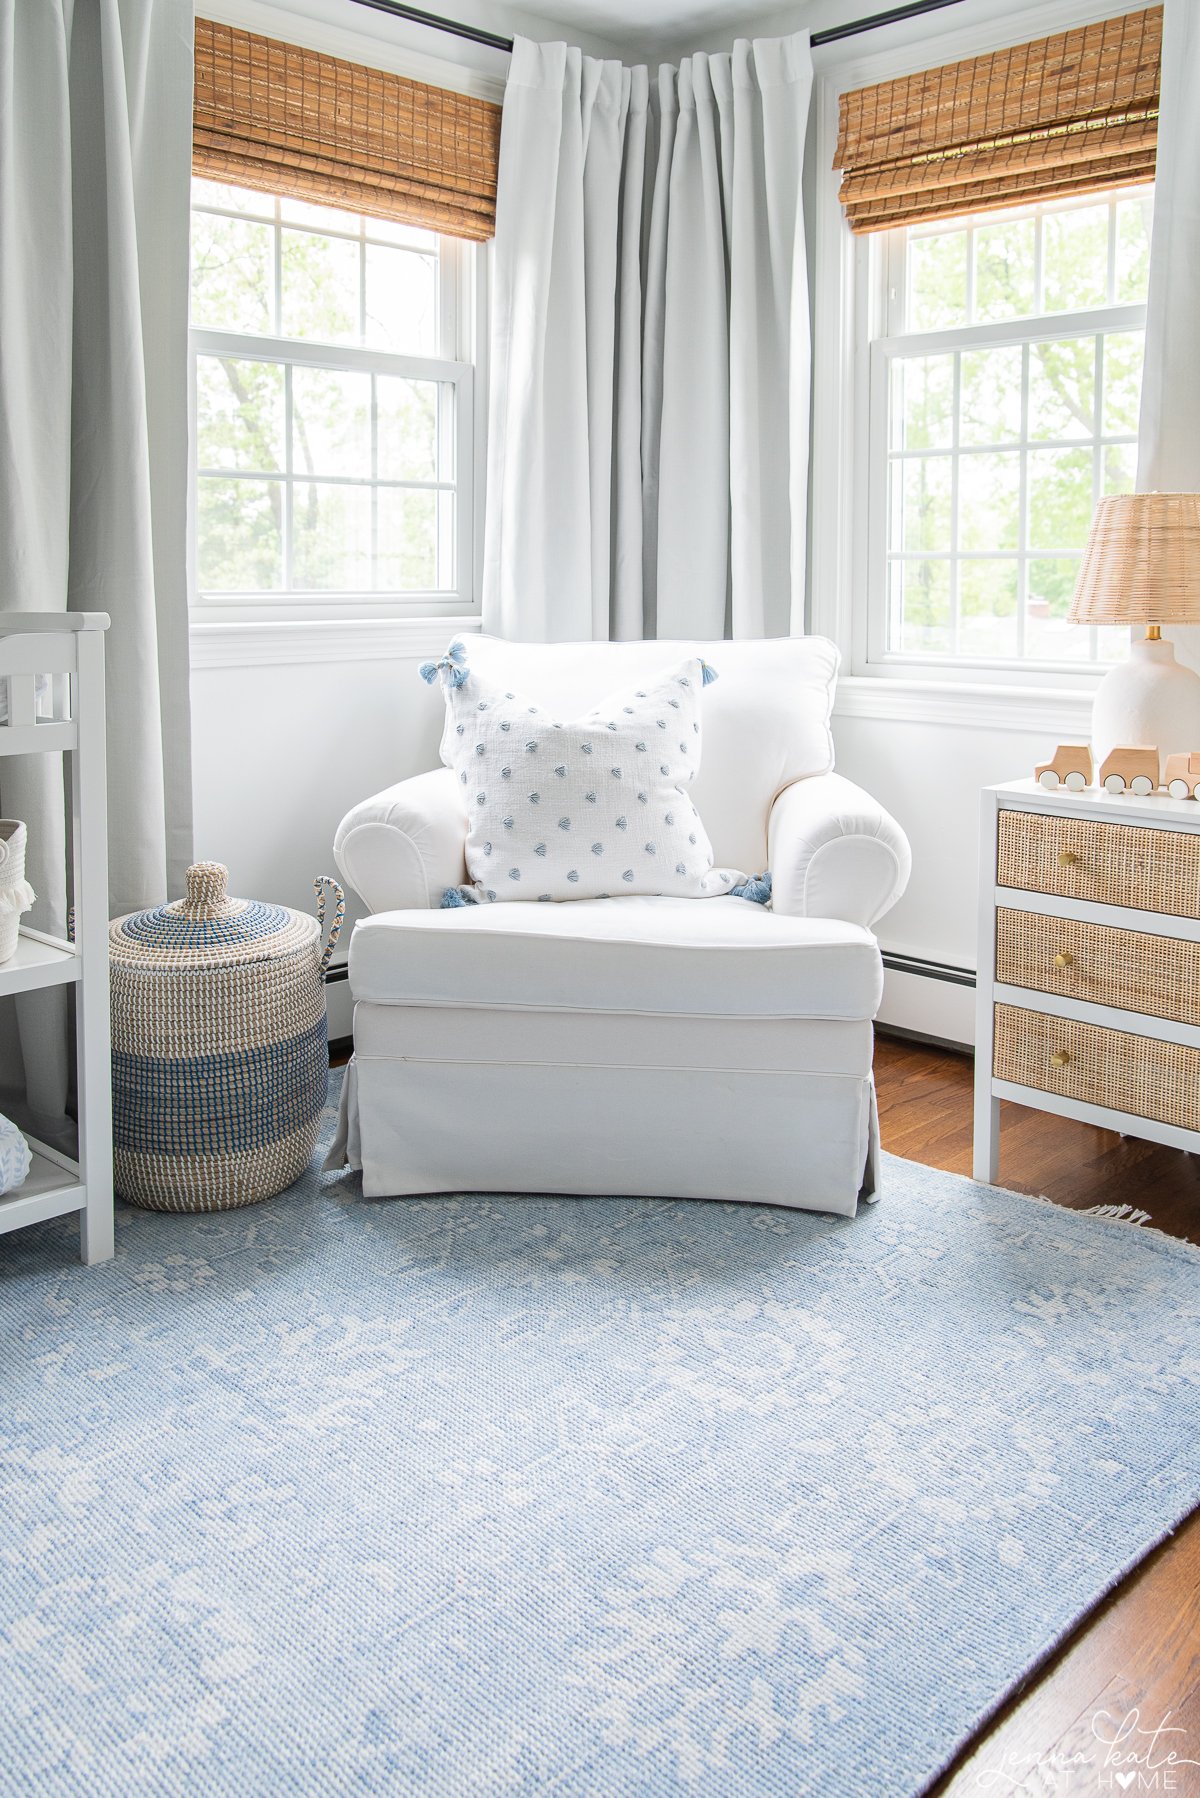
<point x="1088" y="997"/>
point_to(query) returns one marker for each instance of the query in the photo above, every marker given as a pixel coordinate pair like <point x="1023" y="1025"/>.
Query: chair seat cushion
<point x="660" y="956"/>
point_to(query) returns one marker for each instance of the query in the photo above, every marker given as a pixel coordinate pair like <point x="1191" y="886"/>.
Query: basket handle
<point x="322" y="884"/>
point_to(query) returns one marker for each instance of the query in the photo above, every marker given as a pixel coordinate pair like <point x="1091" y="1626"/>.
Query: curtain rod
<point x="475" y="34"/>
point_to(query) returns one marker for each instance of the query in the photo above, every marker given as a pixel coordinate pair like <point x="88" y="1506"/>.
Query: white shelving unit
<point x="52" y="666"/>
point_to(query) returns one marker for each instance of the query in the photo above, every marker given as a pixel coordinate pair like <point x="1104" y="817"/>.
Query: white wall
<point x="288" y="736"/>
<point x="929" y="775"/>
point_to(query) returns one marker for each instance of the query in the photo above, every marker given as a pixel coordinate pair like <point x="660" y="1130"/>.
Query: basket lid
<point x="207" y="928"/>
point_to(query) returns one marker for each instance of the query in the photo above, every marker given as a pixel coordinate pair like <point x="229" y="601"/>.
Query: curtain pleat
<point x="647" y="470"/>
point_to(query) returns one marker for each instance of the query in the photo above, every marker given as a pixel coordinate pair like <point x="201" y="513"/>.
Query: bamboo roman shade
<point x="280" y="119"/>
<point x="1055" y="117"/>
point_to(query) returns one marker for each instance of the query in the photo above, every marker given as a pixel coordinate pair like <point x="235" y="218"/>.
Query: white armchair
<point x="703" y="1048"/>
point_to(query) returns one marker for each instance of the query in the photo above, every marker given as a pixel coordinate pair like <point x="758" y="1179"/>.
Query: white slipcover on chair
<point x="690" y="1048"/>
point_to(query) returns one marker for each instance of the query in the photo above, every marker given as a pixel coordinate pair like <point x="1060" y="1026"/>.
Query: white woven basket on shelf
<point x="16" y="894"/>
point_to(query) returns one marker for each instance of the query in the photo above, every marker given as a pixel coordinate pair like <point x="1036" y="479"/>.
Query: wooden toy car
<point x="1070" y="766"/>
<point x="1132" y="766"/>
<point x="1181" y="776"/>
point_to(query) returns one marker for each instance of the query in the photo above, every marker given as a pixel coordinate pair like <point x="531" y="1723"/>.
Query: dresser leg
<point x="987" y="1139"/>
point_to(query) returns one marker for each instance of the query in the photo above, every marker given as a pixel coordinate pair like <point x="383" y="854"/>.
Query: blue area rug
<point x="582" y="1497"/>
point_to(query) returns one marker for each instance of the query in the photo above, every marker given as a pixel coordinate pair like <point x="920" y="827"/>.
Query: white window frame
<point x="888" y="258"/>
<point x="461" y="308"/>
<point x="845" y="319"/>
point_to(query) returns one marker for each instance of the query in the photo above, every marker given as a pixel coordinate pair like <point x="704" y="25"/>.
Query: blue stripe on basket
<point x="218" y="1104"/>
<point x="167" y="930"/>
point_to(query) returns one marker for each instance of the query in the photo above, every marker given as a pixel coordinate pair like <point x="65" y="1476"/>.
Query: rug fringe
<point x="1122" y="1214"/>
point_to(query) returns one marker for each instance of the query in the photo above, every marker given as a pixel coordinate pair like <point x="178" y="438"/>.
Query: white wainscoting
<point x="293" y="723"/>
<point x="928" y="772"/>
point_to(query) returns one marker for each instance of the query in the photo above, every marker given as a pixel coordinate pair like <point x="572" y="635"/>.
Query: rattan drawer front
<point x="1135" y="1074"/>
<point x="1116" y="864"/>
<point x="1128" y="969"/>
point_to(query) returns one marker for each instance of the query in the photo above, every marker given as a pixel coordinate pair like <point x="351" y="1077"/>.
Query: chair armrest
<point x="834" y="853"/>
<point x="403" y="848"/>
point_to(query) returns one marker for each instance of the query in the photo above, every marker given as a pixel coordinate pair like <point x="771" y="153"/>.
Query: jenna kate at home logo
<point x="1130" y="1754"/>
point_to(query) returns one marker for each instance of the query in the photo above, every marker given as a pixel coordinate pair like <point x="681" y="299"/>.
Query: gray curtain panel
<point x="95" y="165"/>
<point x="648" y="432"/>
<point x="1169" y="429"/>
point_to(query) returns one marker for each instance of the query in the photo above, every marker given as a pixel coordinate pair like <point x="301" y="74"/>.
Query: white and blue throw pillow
<point x="597" y="807"/>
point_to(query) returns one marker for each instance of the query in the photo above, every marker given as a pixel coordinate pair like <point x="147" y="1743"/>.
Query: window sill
<point x="274" y="645"/>
<point x="1064" y="713"/>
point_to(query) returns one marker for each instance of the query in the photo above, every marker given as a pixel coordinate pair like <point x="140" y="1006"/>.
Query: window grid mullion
<point x="375" y="583"/>
<point x="362" y="282"/>
<point x="1097" y="450"/>
<point x="1023" y="504"/>
<point x="289" y="508"/>
<point x="970" y="274"/>
<point x="955" y="439"/>
<point x="277" y="273"/>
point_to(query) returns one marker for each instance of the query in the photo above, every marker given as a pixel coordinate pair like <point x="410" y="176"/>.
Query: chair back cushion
<point x="765" y="719"/>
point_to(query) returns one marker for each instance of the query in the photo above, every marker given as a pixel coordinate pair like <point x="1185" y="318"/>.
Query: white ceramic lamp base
<point x="1150" y="699"/>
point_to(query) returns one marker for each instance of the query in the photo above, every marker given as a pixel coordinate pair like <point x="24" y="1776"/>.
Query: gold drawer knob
<point x="1068" y="858"/>
<point x="1064" y="959"/>
<point x="1060" y="1059"/>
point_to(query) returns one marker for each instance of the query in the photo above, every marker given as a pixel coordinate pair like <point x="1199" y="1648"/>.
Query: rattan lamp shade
<point x="1142" y="561"/>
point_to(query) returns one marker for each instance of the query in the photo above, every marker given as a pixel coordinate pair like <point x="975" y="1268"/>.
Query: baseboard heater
<point x="928" y="970"/>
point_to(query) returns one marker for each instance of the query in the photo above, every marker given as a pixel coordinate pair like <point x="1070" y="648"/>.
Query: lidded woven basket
<point x="220" y="1052"/>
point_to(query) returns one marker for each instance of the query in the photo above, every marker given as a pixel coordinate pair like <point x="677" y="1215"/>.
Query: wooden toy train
<point x="1130" y="767"/>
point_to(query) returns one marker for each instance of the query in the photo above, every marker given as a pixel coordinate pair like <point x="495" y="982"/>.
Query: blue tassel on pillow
<point x="710" y="674"/>
<point x="757" y="889"/>
<point x="452" y="664"/>
<point x="454" y="896"/>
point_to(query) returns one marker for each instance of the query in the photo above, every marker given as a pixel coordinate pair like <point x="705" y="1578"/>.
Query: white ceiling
<point x="644" y="24"/>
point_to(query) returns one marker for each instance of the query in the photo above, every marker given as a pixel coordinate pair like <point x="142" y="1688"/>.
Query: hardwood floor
<point x="1141" y="1646"/>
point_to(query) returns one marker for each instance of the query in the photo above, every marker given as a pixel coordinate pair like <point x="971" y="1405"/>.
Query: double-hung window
<point x="333" y="406"/>
<point x="337" y="299"/>
<point x="1001" y="207"/>
<point x="1005" y="386"/>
